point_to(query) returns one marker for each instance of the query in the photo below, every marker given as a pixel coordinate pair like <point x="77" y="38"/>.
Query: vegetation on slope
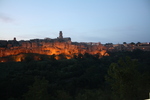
<point x="115" y="77"/>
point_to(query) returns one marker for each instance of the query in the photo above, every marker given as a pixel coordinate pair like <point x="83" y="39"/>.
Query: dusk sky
<point x="105" y="21"/>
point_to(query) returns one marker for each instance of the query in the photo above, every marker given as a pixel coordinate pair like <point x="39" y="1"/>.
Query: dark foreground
<point x="120" y="76"/>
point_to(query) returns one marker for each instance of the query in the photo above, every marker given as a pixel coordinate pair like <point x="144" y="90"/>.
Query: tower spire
<point x="60" y="34"/>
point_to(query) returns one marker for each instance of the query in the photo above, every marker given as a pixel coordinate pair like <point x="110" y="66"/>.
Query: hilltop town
<point x="65" y="46"/>
<point x="127" y="46"/>
<point x="47" y="46"/>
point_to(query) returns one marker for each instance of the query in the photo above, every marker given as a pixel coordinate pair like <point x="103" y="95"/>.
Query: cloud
<point x="6" y="19"/>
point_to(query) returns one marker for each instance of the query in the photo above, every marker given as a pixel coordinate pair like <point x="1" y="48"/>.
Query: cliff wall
<point x="50" y="46"/>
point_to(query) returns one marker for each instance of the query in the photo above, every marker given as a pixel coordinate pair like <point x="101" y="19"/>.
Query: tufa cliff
<point x="49" y="46"/>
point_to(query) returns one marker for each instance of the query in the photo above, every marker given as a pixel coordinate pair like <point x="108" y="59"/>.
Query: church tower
<point x="14" y="38"/>
<point x="60" y="35"/>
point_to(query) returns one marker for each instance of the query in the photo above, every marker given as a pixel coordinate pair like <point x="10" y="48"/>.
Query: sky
<point x="105" y="21"/>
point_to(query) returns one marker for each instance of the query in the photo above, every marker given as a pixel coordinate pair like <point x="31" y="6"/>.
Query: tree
<point x="62" y="95"/>
<point x="29" y="57"/>
<point x="80" y="55"/>
<point x="138" y="43"/>
<point x="61" y="56"/>
<point x="88" y="95"/>
<point x="92" y="95"/>
<point x="124" y="42"/>
<point x="132" y="43"/>
<point x="53" y="57"/>
<point x="38" y="91"/>
<point x="124" y="80"/>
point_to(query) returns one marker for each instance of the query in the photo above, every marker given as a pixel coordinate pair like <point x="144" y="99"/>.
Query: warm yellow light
<point x="18" y="59"/>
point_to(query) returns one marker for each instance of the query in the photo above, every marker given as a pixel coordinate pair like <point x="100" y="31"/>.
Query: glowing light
<point x="68" y="57"/>
<point x="57" y="48"/>
<point x="18" y="59"/>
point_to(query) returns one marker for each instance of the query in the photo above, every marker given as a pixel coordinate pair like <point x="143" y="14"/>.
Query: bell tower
<point x="14" y="38"/>
<point x="60" y="35"/>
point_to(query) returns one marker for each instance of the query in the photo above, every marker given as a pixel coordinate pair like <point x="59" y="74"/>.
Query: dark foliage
<point x="81" y="78"/>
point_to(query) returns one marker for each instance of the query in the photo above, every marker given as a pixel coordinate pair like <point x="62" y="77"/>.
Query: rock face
<point x="49" y="46"/>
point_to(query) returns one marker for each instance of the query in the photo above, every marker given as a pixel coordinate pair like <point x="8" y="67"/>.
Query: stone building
<point x="59" y="45"/>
